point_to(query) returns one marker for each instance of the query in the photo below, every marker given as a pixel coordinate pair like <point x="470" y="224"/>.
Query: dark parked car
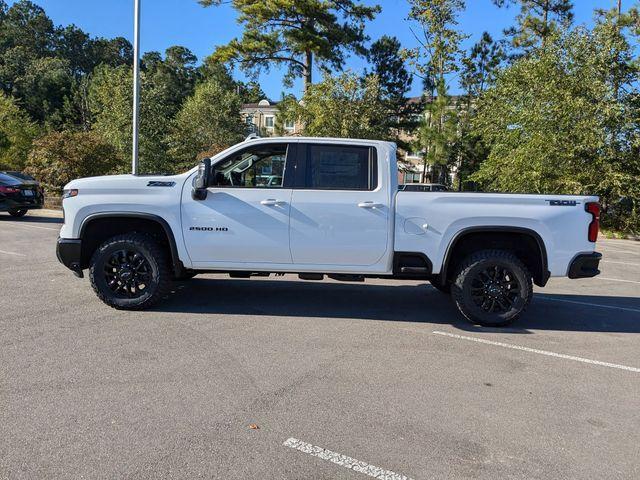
<point x="19" y="193"/>
<point x="423" y="187"/>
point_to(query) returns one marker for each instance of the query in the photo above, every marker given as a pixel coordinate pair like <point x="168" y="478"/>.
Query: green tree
<point x="620" y="107"/>
<point x="176" y="73"/>
<point x="17" y="132"/>
<point x="59" y="157"/>
<point x="389" y="65"/>
<point x="111" y="104"/>
<point x="479" y="68"/>
<point x="537" y="20"/>
<point x="110" y="99"/>
<point x="113" y="52"/>
<point x="554" y="125"/>
<point x="208" y="123"/>
<point x="296" y="34"/>
<point x="251" y="92"/>
<point x="434" y="59"/>
<point x="480" y="65"/>
<point x="29" y="70"/>
<point x="346" y="106"/>
<point x="395" y="81"/>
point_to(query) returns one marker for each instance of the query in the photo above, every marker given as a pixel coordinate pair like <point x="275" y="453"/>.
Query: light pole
<point x="136" y="85"/>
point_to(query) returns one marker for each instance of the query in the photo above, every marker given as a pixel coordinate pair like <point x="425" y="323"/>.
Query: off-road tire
<point x="18" y="212"/>
<point x="469" y="275"/>
<point x="158" y="262"/>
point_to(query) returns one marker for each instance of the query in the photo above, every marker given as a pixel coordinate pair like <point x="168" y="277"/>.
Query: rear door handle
<point x="369" y="205"/>
<point x="270" y="202"/>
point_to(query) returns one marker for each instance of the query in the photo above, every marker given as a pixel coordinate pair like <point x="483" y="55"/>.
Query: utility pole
<point x="136" y="86"/>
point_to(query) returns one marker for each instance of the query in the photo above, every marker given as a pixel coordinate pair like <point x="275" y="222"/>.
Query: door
<point x="245" y="217"/>
<point x="339" y="209"/>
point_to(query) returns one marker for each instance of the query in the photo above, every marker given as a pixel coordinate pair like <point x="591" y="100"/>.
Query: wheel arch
<point x="538" y="264"/>
<point x="122" y="222"/>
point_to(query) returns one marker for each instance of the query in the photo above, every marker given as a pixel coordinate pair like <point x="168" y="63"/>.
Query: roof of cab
<point x="355" y="141"/>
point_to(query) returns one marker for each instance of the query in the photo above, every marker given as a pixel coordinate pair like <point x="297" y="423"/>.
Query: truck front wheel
<point x="492" y="288"/>
<point x="130" y="272"/>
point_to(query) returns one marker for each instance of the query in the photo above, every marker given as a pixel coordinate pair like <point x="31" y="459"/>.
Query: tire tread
<point x="159" y="256"/>
<point x="469" y="263"/>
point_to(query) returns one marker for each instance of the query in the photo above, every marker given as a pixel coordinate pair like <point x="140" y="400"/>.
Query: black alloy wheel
<point x="495" y="289"/>
<point x="127" y="273"/>
<point x="130" y="271"/>
<point x="492" y="288"/>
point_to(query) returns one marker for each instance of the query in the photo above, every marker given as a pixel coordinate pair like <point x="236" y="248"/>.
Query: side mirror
<point x="201" y="182"/>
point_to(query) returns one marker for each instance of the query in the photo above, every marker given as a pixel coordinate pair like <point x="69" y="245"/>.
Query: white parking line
<point x="617" y="250"/>
<point x="588" y="304"/>
<point x="621" y="263"/>
<point x="13" y="253"/>
<point x="540" y="352"/>
<point x="343" y="460"/>
<point x="32" y="226"/>
<point x="617" y="280"/>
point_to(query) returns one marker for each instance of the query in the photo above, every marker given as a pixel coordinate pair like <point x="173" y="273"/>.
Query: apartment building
<point x="262" y="118"/>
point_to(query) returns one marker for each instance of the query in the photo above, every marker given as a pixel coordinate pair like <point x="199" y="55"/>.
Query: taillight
<point x="594" y="209"/>
<point x="9" y="189"/>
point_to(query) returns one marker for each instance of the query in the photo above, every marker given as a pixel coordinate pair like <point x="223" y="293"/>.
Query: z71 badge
<point x="209" y="229"/>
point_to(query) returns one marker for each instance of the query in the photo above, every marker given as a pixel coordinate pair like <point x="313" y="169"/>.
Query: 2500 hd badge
<point x="209" y="229"/>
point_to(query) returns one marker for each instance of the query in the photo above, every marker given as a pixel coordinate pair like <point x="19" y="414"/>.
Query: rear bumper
<point x="21" y="203"/>
<point x="69" y="251"/>
<point x="585" y="265"/>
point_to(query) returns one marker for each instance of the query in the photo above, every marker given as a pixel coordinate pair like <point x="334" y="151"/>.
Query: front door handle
<point x="271" y="202"/>
<point x="369" y="205"/>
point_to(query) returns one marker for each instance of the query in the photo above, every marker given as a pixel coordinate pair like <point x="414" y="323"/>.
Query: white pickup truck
<point x="330" y="207"/>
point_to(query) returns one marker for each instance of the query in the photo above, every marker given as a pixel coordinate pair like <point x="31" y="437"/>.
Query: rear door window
<point x="338" y="167"/>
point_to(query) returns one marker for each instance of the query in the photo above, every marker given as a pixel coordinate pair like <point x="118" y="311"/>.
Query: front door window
<point x="261" y="166"/>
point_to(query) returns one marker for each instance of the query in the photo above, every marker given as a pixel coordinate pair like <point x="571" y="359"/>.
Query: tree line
<point x="550" y="107"/>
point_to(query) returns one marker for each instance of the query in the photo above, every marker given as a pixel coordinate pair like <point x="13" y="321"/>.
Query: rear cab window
<point x="336" y="167"/>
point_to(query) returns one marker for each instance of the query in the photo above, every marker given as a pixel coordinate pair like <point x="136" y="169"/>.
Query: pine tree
<point x="296" y="34"/>
<point x="434" y="59"/>
<point x="537" y="20"/>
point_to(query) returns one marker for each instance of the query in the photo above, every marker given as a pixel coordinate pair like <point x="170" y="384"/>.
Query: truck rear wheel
<point x="492" y="288"/>
<point x="130" y="272"/>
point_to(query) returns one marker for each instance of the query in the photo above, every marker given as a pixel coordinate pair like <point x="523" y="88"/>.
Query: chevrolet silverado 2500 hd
<point x="331" y="207"/>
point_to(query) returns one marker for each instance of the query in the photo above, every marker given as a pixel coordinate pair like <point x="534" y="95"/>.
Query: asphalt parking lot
<point x="347" y="381"/>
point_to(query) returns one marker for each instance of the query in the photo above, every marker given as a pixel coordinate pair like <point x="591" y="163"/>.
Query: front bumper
<point x="585" y="265"/>
<point x="69" y="253"/>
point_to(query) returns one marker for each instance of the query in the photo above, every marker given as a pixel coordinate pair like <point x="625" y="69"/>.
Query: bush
<point x="58" y="158"/>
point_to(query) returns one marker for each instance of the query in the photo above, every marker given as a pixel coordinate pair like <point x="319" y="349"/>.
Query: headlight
<point x="69" y="193"/>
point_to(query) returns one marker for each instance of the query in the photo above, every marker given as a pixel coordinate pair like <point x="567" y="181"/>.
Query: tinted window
<point x="338" y="167"/>
<point x="261" y="166"/>
<point x="21" y="176"/>
<point x="8" y="180"/>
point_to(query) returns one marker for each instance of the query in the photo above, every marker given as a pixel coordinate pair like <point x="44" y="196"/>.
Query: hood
<point x="126" y="182"/>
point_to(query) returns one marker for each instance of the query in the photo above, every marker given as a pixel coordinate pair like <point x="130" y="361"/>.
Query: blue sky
<point x="184" y="22"/>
